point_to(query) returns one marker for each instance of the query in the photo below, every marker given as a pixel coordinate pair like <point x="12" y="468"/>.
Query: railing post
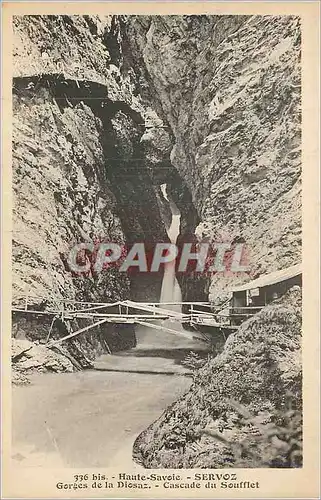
<point x="26" y="299"/>
<point x="191" y="311"/>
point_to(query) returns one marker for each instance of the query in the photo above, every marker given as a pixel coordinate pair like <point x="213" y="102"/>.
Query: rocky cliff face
<point x="107" y="109"/>
<point x="229" y="87"/>
<point x="82" y="169"/>
<point x="244" y="407"/>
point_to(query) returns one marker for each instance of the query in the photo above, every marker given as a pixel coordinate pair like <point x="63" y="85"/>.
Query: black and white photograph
<point x="156" y="259"/>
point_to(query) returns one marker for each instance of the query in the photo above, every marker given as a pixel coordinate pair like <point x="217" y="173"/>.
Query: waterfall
<point x="171" y="291"/>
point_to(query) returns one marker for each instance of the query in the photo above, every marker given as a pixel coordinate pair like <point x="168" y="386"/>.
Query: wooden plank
<point x="93" y="308"/>
<point x="132" y="316"/>
<point x="50" y="329"/>
<point x="214" y="325"/>
<point x="107" y="304"/>
<point x="32" y="311"/>
<point x="201" y="321"/>
<point x="72" y="315"/>
<point x="110" y="303"/>
<point x="69" y="301"/>
<point x="196" y="311"/>
<point x="157" y="304"/>
<point x="165" y="329"/>
<point x="167" y="312"/>
<point x="71" y="335"/>
<point x="245" y="307"/>
<point x="237" y="315"/>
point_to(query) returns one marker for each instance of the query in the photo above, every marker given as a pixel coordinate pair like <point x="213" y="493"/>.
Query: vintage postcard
<point x="160" y="250"/>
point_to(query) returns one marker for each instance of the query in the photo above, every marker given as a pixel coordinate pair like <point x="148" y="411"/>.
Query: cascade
<point x="171" y="291"/>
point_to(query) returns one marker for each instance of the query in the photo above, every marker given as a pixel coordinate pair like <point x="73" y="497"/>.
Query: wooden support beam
<point x="169" y="330"/>
<point x="51" y="327"/>
<point x="109" y="317"/>
<point x="107" y="304"/>
<point x="246" y="307"/>
<point x="196" y="311"/>
<point x="125" y="316"/>
<point x="26" y="300"/>
<point x="71" y="335"/>
<point x="148" y="308"/>
<point x="93" y="308"/>
<point x="206" y="304"/>
<point x="33" y="311"/>
<point x="214" y="324"/>
<point x="249" y="314"/>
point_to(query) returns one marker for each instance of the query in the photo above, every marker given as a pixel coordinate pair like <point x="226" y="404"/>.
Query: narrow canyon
<point x="155" y="129"/>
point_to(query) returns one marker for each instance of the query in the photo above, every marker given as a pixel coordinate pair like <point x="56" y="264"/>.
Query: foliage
<point x="194" y="361"/>
<point x="249" y="395"/>
<point x="266" y="440"/>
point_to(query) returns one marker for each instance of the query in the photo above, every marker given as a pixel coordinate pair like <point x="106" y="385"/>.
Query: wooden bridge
<point x="149" y="314"/>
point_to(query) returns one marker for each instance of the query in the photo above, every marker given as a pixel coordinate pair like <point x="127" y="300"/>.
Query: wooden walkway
<point x="150" y="314"/>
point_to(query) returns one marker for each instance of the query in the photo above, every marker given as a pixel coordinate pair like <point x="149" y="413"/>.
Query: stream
<point x="171" y="291"/>
<point x="92" y="418"/>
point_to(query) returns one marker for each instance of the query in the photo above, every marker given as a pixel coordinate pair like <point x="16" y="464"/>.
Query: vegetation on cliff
<point x="244" y="407"/>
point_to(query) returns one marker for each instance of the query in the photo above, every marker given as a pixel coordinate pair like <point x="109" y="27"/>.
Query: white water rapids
<point x="171" y="291"/>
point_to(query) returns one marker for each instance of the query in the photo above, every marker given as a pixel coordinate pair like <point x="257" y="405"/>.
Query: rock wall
<point x="244" y="407"/>
<point x="229" y="88"/>
<point x="107" y="109"/>
<point x="82" y="170"/>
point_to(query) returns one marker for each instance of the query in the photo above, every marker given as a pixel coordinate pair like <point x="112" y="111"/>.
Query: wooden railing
<point x="128" y="311"/>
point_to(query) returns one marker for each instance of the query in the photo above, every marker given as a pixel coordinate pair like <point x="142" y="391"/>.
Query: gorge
<point x="155" y="129"/>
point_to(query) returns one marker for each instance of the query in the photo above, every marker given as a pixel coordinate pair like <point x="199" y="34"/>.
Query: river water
<point x="92" y="418"/>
